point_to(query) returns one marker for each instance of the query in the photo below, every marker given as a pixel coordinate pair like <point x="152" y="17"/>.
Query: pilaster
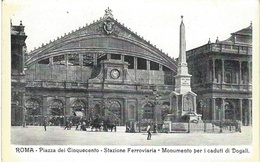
<point x="241" y="109"/>
<point x="214" y="70"/>
<point x="44" y="105"/>
<point x="250" y="111"/>
<point x="240" y="73"/>
<point x="125" y="110"/>
<point x="223" y="109"/>
<point x="135" y="67"/>
<point x="214" y="108"/>
<point x="223" y="70"/>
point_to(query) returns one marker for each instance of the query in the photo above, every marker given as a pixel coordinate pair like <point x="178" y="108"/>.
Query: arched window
<point x="79" y="108"/>
<point x="32" y="107"/>
<point x="56" y="108"/>
<point x="229" y="111"/>
<point x="115" y="108"/>
<point x="78" y="105"/>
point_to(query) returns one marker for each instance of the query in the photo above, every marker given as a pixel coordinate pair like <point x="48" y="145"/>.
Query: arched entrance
<point x="79" y="108"/>
<point x="114" y="111"/>
<point x="33" y="112"/>
<point x="230" y="111"/>
<point x="56" y="112"/>
<point x="79" y="111"/>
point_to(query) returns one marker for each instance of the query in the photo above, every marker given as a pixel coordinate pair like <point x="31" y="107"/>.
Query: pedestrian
<point x="115" y="128"/>
<point x="70" y="125"/>
<point x="77" y="125"/>
<point x="66" y="125"/>
<point x="148" y="129"/>
<point x="45" y="124"/>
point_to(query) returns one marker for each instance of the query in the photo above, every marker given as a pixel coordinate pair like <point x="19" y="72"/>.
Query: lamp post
<point x="157" y="112"/>
<point x="24" y="112"/>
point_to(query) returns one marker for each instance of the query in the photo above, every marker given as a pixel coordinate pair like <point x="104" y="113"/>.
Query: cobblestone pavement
<point x="55" y="135"/>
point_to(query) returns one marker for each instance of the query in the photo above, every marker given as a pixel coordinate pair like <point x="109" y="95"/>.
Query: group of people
<point x="82" y="124"/>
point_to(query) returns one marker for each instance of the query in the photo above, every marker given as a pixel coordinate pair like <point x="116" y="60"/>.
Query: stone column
<point x="250" y="111"/>
<point x="214" y="108"/>
<point x="51" y="60"/>
<point x="44" y="106"/>
<point x="240" y="73"/>
<point x="223" y="70"/>
<point x="95" y="59"/>
<point x="81" y="65"/>
<point x="249" y="72"/>
<point x="125" y="111"/>
<point x="139" y="110"/>
<point x="67" y="109"/>
<point x="160" y="67"/>
<point x="223" y="109"/>
<point x="214" y="70"/>
<point x="241" y="110"/>
<point x="135" y="67"/>
<point x="66" y="63"/>
<point x="208" y="72"/>
<point x="66" y="58"/>
<point x="90" y="106"/>
<point x="24" y="110"/>
<point x="108" y="56"/>
<point x="148" y="70"/>
<point x="51" y="69"/>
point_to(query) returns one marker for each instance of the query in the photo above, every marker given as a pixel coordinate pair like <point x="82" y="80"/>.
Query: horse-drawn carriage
<point x="102" y="123"/>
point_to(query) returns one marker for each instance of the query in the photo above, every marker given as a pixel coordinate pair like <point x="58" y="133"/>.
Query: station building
<point x="103" y="69"/>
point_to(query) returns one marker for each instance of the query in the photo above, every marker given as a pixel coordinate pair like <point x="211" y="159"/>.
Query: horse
<point x="109" y="126"/>
<point x="96" y="124"/>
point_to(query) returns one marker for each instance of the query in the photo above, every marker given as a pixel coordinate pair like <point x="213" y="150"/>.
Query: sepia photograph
<point x="148" y="80"/>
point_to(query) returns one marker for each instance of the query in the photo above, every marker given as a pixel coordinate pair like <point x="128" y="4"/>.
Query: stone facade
<point x="101" y="69"/>
<point x="18" y="83"/>
<point x="222" y="77"/>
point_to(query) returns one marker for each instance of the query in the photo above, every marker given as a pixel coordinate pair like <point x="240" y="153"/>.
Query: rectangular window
<point x="166" y="69"/>
<point x="115" y="57"/>
<point x="59" y="60"/>
<point x="88" y="60"/>
<point x="73" y="59"/>
<point x="228" y="77"/>
<point x="130" y="60"/>
<point x="45" y="61"/>
<point x="154" y="65"/>
<point x="141" y="64"/>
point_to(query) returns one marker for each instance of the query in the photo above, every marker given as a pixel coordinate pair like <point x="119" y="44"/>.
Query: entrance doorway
<point x="230" y="112"/>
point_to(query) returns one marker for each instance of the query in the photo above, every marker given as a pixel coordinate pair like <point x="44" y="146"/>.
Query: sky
<point x="158" y="21"/>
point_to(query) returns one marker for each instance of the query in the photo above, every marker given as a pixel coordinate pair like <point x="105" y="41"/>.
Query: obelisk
<point x="182" y="79"/>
